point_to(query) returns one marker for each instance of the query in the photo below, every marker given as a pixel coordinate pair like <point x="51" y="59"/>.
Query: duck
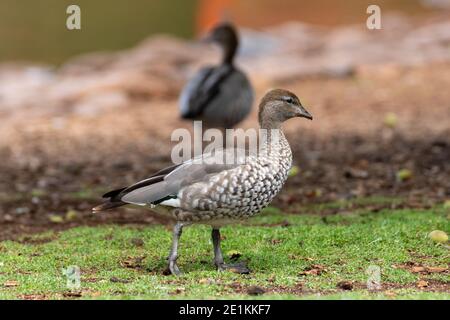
<point x="220" y="96"/>
<point x="216" y="193"/>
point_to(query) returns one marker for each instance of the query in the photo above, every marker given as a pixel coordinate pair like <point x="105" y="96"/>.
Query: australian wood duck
<point x="221" y="96"/>
<point x="217" y="194"/>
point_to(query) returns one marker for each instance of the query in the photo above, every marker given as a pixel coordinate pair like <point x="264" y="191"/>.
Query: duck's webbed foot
<point x="239" y="267"/>
<point x="173" y="268"/>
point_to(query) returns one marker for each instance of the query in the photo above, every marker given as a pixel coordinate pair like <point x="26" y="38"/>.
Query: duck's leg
<point x="173" y="267"/>
<point x="218" y="257"/>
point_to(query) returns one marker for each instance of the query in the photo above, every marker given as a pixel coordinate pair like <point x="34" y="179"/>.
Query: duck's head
<point x="222" y="34"/>
<point x="279" y="105"/>
<point x="226" y="37"/>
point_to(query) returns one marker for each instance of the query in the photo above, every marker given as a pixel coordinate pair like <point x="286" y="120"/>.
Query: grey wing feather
<point x="147" y="194"/>
<point x="201" y="89"/>
<point x="233" y="103"/>
<point x="187" y="173"/>
<point x="192" y="89"/>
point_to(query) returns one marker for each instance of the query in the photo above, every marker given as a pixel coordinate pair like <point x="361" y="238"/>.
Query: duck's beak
<point x="303" y="113"/>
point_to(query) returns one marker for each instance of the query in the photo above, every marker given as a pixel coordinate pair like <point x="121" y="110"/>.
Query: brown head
<point x="279" y="105"/>
<point x="226" y="37"/>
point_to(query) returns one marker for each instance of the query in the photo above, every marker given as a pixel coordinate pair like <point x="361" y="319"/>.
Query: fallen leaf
<point x="417" y="269"/>
<point x="96" y="294"/>
<point x="178" y="290"/>
<point x="133" y="263"/>
<point x="404" y="175"/>
<point x="138" y="242"/>
<point x="33" y="296"/>
<point x="55" y="218"/>
<point x="272" y="278"/>
<point x="71" y="215"/>
<point x="315" y="269"/>
<point x="390" y="120"/>
<point x="38" y="193"/>
<point x="234" y="254"/>
<point x="316" y="193"/>
<point x="447" y="204"/>
<point x="422" y="284"/>
<point x="390" y="294"/>
<point x="294" y="171"/>
<point x="345" y="285"/>
<point x="118" y="280"/>
<point x="255" y="290"/>
<point x="436" y="269"/>
<point x="356" y="173"/>
<point x="285" y="224"/>
<point x="276" y="241"/>
<point x="72" y="294"/>
<point x="421" y="269"/>
<point x="10" y="283"/>
<point x="206" y="281"/>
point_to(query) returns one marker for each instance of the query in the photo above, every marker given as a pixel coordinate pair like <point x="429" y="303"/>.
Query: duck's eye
<point x="288" y="99"/>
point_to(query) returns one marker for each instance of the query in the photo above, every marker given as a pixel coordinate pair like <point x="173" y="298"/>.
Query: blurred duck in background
<point x="221" y="96"/>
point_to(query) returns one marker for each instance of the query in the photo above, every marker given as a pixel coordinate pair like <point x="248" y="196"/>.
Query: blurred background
<point x="84" y="111"/>
<point x="34" y="31"/>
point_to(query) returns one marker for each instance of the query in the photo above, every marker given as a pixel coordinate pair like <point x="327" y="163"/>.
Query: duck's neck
<point x="229" y="49"/>
<point x="273" y="140"/>
<point x="268" y="123"/>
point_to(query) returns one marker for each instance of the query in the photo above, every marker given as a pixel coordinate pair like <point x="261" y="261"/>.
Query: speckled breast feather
<point x="237" y="193"/>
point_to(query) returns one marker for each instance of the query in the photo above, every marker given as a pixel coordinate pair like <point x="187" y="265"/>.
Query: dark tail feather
<point x="113" y="193"/>
<point x="107" y="206"/>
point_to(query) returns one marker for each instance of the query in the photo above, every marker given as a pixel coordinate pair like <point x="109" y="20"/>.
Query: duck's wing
<point x="166" y="183"/>
<point x="202" y="89"/>
<point x="237" y="95"/>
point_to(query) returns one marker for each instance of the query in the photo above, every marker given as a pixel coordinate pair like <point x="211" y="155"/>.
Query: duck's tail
<point x="107" y="206"/>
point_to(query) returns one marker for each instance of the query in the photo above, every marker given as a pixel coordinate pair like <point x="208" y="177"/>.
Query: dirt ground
<point x="377" y="132"/>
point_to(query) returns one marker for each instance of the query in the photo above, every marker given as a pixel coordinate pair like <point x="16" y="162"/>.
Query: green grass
<point x="345" y="245"/>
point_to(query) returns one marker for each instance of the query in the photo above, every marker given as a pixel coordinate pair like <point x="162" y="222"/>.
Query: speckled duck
<point x="219" y="194"/>
<point x="221" y="96"/>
